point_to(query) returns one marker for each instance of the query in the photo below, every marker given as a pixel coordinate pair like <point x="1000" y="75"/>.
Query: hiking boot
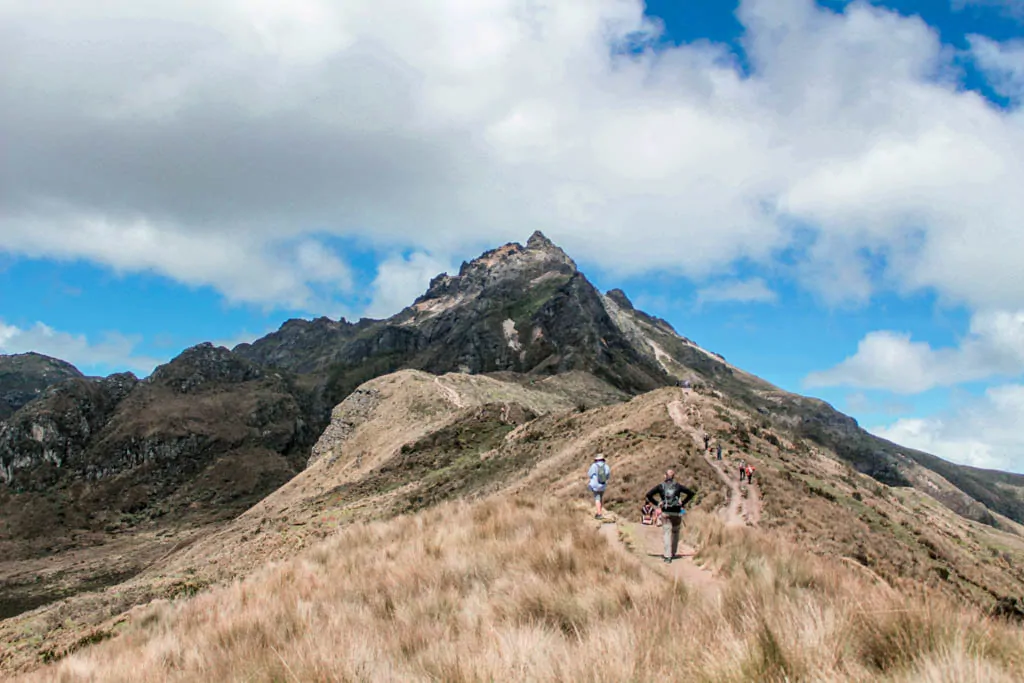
<point x="597" y="516"/>
<point x="667" y="560"/>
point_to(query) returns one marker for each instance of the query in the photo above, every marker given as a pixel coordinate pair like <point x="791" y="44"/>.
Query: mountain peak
<point x="204" y="364"/>
<point x="539" y="241"/>
<point x="620" y="298"/>
<point x="512" y="262"/>
<point x="24" y="376"/>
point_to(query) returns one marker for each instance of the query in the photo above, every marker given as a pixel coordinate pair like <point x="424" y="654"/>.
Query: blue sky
<point x="825" y="193"/>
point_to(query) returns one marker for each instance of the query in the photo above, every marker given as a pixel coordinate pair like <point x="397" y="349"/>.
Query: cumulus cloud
<point x="889" y="360"/>
<point x="984" y="433"/>
<point x="208" y="139"/>
<point x="114" y="352"/>
<point x="400" y="280"/>
<point x="240" y="267"/>
<point x="1002" y="62"/>
<point x="754" y="290"/>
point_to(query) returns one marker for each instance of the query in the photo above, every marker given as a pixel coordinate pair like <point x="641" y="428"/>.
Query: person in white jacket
<point x="597" y="482"/>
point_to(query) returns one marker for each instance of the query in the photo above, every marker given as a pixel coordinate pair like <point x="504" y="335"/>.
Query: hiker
<point x="597" y="482"/>
<point x="647" y="514"/>
<point x="719" y="448"/>
<point x="750" y="474"/>
<point x="743" y="469"/>
<point x="673" y="500"/>
<point x="707" y="440"/>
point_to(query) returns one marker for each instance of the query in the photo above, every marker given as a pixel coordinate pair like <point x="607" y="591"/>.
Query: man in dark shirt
<point x="672" y="497"/>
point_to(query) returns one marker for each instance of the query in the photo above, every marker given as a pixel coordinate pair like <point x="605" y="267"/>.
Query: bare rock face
<point x="349" y="414"/>
<point x="204" y="437"/>
<point x="516" y="308"/>
<point x="50" y="435"/>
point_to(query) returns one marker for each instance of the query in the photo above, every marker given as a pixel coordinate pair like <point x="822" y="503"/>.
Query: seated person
<point x="648" y="513"/>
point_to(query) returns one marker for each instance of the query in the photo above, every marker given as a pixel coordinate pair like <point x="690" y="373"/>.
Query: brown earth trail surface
<point x="647" y="542"/>
<point x="741" y="509"/>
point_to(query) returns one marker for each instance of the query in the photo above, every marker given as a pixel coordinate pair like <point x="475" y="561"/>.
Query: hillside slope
<point x="408" y="442"/>
<point x="414" y="465"/>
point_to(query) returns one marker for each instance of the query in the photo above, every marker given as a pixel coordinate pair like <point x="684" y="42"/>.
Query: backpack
<point x="671" y="493"/>
<point x="602" y="474"/>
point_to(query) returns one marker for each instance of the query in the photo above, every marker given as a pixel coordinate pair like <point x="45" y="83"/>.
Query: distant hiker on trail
<point x="647" y="514"/>
<point x="719" y="448"/>
<point x="750" y="474"/>
<point x="707" y="440"/>
<point x="597" y="482"/>
<point x="673" y="500"/>
<point x="743" y="469"/>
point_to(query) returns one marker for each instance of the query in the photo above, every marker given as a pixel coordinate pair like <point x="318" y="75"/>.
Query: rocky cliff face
<point x="23" y="377"/>
<point x="49" y="436"/>
<point x="204" y="437"/>
<point x="517" y="308"/>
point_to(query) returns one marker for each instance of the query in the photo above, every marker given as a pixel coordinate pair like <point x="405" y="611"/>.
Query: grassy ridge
<point x="507" y="589"/>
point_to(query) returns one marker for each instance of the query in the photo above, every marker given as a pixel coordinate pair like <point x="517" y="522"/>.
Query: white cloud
<point x="1002" y="62"/>
<point x="754" y="290"/>
<point x="241" y="268"/>
<point x="209" y="138"/>
<point x="1013" y="8"/>
<point x="893" y="361"/>
<point x="400" y="280"/>
<point x="115" y="352"/>
<point x="984" y="433"/>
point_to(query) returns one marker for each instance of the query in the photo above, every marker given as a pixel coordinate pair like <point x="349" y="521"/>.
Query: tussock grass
<point x="509" y="590"/>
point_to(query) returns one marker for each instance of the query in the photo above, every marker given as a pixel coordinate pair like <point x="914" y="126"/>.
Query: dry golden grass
<point x="502" y="589"/>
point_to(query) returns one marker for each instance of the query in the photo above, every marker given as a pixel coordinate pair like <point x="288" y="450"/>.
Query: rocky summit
<point x="23" y="377"/>
<point x="111" y="480"/>
<point x="524" y="309"/>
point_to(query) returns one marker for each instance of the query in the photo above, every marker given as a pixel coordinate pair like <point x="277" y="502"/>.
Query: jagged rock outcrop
<point x="24" y="376"/>
<point x="206" y="435"/>
<point x="203" y="365"/>
<point x="49" y="437"/>
<point x="516" y="308"/>
<point x="302" y="346"/>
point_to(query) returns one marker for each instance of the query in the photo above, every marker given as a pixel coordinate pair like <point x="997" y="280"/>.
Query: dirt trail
<point x="741" y="509"/>
<point x="648" y="542"/>
<point x="450" y="394"/>
<point x="753" y="505"/>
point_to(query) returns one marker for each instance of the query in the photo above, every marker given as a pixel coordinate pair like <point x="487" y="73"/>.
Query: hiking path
<point x="648" y="542"/>
<point x="744" y="506"/>
<point x="450" y="394"/>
